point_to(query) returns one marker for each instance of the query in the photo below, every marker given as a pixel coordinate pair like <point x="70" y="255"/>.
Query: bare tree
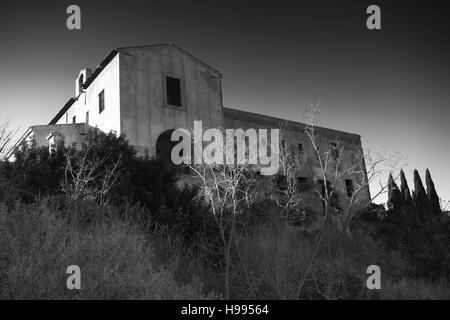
<point x="84" y="180"/>
<point x="283" y="190"/>
<point x="329" y="177"/>
<point x="9" y="184"/>
<point x="445" y="205"/>
<point x="364" y="169"/>
<point x="370" y="167"/>
<point x="286" y="194"/>
<point x="228" y="191"/>
<point x="6" y="139"/>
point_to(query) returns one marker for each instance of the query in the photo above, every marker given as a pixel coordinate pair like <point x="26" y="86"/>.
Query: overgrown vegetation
<point x="140" y="229"/>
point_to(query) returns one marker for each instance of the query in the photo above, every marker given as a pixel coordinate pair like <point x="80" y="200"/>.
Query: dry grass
<point x="117" y="261"/>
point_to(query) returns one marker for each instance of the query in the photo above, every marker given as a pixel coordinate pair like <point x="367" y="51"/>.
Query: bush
<point x="154" y="238"/>
<point x="409" y="289"/>
<point x="149" y="182"/>
<point x="271" y="263"/>
<point x="425" y="244"/>
<point x="117" y="261"/>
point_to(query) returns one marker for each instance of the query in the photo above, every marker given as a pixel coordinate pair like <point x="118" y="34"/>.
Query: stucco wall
<point x="145" y="113"/>
<point x="293" y="134"/>
<point x="109" y="119"/>
<point x="72" y="134"/>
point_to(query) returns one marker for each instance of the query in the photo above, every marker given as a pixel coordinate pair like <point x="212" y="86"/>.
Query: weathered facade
<point x="145" y="92"/>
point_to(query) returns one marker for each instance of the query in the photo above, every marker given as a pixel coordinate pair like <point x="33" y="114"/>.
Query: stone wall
<point x="145" y="113"/>
<point x="293" y="133"/>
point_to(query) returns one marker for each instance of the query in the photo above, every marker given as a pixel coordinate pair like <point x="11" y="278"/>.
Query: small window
<point x="349" y="187"/>
<point x="321" y="183"/>
<point x="302" y="183"/>
<point x="300" y="147"/>
<point x="87" y="117"/>
<point x="74" y="119"/>
<point x="334" y="150"/>
<point x="173" y="91"/>
<point x="302" y="180"/>
<point x="67" y="118"/>
<point x="322" y="187"/>
<point x="101" y="101"/>
<point x="354" y="159"/>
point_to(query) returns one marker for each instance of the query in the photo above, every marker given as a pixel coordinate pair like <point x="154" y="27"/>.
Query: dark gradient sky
<point x="391" y="86"/>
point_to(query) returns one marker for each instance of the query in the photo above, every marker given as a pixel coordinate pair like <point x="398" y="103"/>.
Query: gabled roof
<point x="173" y="45"/>
<point x="113" y="53"/>
<point x="109" y="58"/>
<point x="100" y="68"/>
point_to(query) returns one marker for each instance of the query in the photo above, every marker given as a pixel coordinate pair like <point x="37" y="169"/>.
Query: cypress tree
<point x="408" y="202"/>
<point x="420" y="196"/>
<point x="406" y="193"/>
<point x="395" y="201"/>
<point x="432" y="194"/>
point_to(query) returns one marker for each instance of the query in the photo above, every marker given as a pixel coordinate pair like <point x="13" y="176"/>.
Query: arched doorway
<point x="164" y="145"/>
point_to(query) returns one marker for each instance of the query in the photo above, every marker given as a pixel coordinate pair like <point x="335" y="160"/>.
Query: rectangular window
<point x="74" y="119"/>
<point x="302" y="183"/>
<point x="354" y="159"/>
<point x="300" y="147"/>
<point x="302" y="180"/>
<point x="87" y="117"/>
<point x="334" y="150"/>
<point x="173" y="91"/>
<point x="322" y="187"/>
<point x="67" y="118"/>
<point x="101" y="101"/>
<point x="349" y="187"/>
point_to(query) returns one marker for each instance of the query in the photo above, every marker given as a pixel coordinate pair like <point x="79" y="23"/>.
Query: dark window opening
<point x="334" y="150"/>
<point x="354" y="159"/>
<point x="164" y="145"/>
<point x="173" y="91"/>
<point x="74" y="119"/>
<point x="67" y="118"/>
<point x="349" y="187"/>
<point x="101" y="101"/>
<point x="322" y="187"/>
<point x="87" y="117"/>
<point x="300" y="147"/>
<point x="302" y="180"/>
<point x="302" y="183"/>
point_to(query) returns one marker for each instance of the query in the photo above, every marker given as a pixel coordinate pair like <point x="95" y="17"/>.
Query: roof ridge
<point x="172" y="44"/>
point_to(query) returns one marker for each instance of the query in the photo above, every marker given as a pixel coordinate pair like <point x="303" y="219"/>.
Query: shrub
<point x="409" y="289"/>
<point x="117" y="261"/>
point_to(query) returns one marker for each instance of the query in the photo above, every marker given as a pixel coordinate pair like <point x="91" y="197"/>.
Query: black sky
<point x="390" y="86"/>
